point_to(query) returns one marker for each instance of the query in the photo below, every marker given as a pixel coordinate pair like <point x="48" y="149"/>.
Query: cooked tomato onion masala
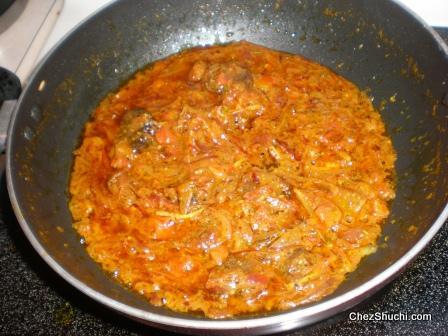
<point x="232" y="179"/>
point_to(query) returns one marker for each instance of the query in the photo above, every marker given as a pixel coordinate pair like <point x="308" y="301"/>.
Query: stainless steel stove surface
<point x="24" y="28"/>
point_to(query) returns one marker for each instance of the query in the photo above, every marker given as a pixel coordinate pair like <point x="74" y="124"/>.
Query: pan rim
<point x="282" y="321"/>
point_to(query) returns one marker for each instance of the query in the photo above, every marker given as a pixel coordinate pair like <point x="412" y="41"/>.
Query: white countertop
<point x="434" y="12"/>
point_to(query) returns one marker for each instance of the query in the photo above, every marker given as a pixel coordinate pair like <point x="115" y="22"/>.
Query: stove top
<point x="35" y="300"/>
<point x="24" y="28"/>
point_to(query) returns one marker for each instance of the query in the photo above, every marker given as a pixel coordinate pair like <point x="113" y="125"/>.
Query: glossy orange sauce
<point x="232" y="179"/>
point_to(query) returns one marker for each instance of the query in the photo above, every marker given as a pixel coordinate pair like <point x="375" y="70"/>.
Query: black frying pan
<point x="376" y="44"/>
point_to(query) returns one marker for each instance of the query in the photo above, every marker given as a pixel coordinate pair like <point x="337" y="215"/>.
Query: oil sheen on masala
<point x="232" y="179"/>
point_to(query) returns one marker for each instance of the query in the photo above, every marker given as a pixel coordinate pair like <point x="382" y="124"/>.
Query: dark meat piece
<point x="242" y="277"/>
<point x="137" y="129"/>
<point x="300" y="263"/>
<point x="220" y="77"/>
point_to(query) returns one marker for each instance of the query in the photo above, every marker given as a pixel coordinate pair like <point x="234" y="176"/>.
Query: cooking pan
<point x="383" y="48"/>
